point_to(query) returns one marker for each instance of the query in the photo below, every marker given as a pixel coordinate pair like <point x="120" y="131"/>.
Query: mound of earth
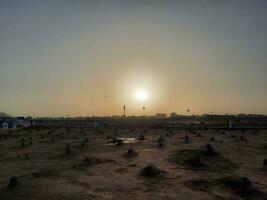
<point x="52" y="173"/>
<point x="199" y="159"/>
<point x="150" y="171"/>
<point x="233" y="186"/>
<point x="91" y="161"/>
<point x="130" y="154"/>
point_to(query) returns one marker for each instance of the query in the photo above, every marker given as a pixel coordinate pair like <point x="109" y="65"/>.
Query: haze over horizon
<point x="83" y="58"/>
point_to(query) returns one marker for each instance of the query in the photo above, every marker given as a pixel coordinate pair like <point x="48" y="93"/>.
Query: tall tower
<point x="144" y="109"/>
<point x="124" y="111"/>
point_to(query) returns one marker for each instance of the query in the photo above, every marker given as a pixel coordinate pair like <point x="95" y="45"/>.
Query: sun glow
<point x="141" y="95"/>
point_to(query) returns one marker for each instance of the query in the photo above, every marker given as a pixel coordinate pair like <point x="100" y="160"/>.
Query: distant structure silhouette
<point x="124" y="110"/>
<point x="144" y="109"/>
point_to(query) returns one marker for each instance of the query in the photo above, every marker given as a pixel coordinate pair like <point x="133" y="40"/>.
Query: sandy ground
<point x="46" y="172"/>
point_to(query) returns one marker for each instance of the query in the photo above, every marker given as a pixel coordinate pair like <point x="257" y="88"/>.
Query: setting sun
<point x="141" y="95"/>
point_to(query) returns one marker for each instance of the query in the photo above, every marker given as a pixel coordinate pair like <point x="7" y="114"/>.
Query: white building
<point x="4" y="125"/>
<point x="14" y="125"/>
<point x="27" y="123"/>
<point x="99" y="124"/>
<point x="20" y="121"/>
<point x="230" y="125"/>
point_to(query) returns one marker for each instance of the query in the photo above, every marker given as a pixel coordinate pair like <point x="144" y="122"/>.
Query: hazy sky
<point x="60" y="57"/>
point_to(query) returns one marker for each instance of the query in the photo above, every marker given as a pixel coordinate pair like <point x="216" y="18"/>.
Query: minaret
<point x="144" y="108"/>
<point x="124" y="110"/>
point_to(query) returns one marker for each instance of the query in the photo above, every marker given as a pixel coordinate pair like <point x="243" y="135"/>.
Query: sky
<point x="83" y="58"/>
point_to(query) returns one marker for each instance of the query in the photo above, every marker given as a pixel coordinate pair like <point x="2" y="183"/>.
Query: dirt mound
<point x="91" y="161"/>
<point x="51" y="173"/>
<point x="198" y="184"/>
<point x="235" y="186"/>
<point x="211" y="151"/>
<point x="200" y="159"/>
<point x="150" y="171"/>
<point x="130" y="153"/>
<point x="195" y="161"/>
<point x="239" y="185"/>
<point x="13" y="182"/>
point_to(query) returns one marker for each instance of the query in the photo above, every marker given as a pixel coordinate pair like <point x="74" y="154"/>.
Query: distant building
<point x="173" y="114"/>
<point x="161" y="115"/>
<point x="5" y="125"/>
<point x="99" y="124"/>
<point x="27" y="123"/>
<point x="14" y="125"/>
<point x="20" y="121"/>
<point x="10" y="122"/>
<point x="116" y="116"/>
<point x="63" y="122"/>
